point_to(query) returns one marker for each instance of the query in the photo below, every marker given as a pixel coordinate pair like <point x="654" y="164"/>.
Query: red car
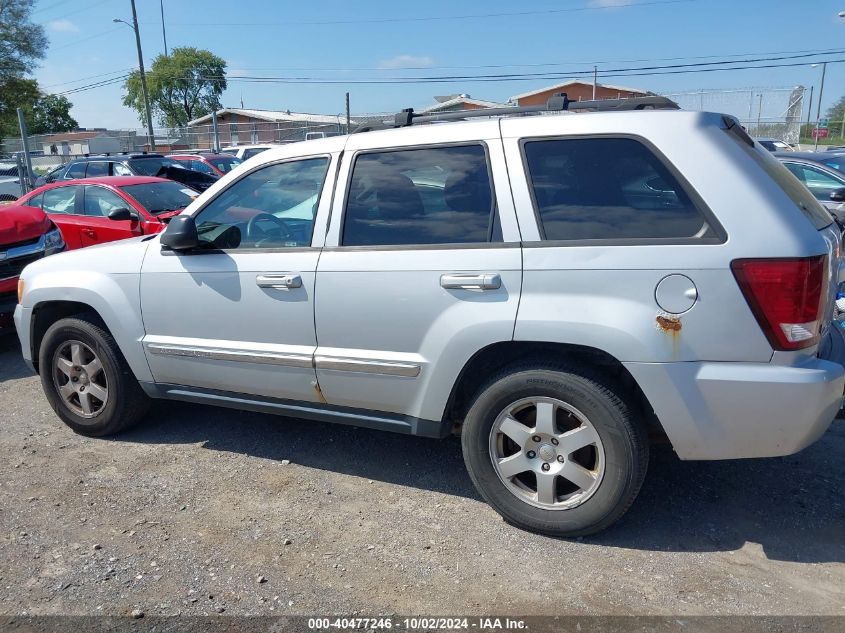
<point x="211" y="164"/>
<point x="95" y="210"/>
<point x="26" y="235"/>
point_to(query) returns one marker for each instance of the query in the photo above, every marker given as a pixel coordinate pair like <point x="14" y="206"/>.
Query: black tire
<point x="126" y="403"/>
<point x="622" y="435"/>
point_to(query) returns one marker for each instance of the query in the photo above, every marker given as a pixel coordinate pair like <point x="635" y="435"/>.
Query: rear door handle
<point x="472" y="281"/>
<point x="286" y="280"/>
<point x="90" y="232"/>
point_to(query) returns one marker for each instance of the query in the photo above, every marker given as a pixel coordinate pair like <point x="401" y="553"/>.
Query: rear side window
<point x="608" y="189"/>
<point x="249" y="153"/>
<point x="420" y="196"/>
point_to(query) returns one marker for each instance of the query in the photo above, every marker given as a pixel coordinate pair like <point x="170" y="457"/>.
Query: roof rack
<point x="556" y="103"/>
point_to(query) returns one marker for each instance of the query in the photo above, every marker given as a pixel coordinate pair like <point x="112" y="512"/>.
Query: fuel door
<point x="676" y="294"/>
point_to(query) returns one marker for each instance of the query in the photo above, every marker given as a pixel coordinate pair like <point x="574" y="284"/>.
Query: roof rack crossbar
<point x="556" y="103"/>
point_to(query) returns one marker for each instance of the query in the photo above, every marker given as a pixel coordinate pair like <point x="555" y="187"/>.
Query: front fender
<point x="114" y="297"/>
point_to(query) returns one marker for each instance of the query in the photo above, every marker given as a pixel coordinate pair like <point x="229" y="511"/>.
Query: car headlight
<point x="53" y="242"/>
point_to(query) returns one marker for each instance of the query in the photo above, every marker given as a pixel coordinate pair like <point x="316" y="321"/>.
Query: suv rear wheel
<point x="556" y="451"/>
<point x="86" y="379"/>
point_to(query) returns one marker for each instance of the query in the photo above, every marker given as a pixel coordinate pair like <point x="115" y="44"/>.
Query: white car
<point x="559" y="290"/>
<point x="247" y="151"/>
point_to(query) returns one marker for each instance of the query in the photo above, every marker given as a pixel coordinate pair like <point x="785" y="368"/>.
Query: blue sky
<point x="345" y="41"/>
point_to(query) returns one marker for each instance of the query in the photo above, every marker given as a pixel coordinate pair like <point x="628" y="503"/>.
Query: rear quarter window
<point x="605" y="188"/>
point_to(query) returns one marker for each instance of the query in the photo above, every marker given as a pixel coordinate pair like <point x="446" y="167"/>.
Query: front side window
<point x="76" y="170"/>
<point x="96" y="169"/>
<point x="273" y="207"/>
<point x="607" y="189"/>
<point x="420" y="196"/>
<point x="99" y="201"/>
<point x="820" y="184"/>
<point x="60" y="200"/>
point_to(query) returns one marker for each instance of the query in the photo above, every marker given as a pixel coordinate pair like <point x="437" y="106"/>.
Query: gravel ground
<point x="202" y="511"/>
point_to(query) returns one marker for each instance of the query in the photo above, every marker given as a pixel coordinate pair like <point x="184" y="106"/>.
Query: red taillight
<point x="786" y="297"/>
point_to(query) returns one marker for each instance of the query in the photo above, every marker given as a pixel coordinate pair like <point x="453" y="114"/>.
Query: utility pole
<point x="595" y="80"/>
<point x="26" y="179"/>
<point x="150" y="133"/>
<point x="819" y="106"/>
<point x="348" y="117"/>
<point x="163" y="32"/>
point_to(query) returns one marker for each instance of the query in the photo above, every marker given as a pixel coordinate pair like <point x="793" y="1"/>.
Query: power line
<point x="641" y="71"/>
<point x="85" y="39"/>
<point x="815" y="51"/>
<point x="810" y="52"/>
<point x="74" y="12"/>
<point x="73" y="81"/>
<point x="432" y="18"/>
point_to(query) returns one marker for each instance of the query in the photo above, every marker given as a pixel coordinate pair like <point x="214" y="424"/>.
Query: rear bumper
<point x="736" y="410"/>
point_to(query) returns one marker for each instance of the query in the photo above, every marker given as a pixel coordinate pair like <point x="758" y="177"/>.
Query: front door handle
<point x="285" y="280"/>
<point x="471" y="281"/>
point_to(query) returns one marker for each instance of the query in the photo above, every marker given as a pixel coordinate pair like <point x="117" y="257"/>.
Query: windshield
<point x="159" y="197"/>
<point x="151" y="166"/>
<point x="225" y="163"/>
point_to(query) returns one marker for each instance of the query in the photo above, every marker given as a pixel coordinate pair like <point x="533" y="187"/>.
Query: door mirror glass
<point x="180" y="234"/>
<point x="838" y="195"/>
<point x="121" y="213"/>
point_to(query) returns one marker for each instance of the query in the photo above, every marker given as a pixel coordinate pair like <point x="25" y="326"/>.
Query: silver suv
<point x="561" y="290"/>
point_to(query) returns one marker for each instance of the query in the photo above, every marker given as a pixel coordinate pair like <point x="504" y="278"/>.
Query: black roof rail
<point x="556" y="103"/>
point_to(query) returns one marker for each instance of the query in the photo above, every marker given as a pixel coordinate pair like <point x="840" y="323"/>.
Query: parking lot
<point x="203" y="511"/>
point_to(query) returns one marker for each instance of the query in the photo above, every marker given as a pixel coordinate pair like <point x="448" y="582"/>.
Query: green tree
<point x="184" y="85"/>
<point x="836" y="113"/>
<point x="51" y="113"/>
<point x="22" y="44"/>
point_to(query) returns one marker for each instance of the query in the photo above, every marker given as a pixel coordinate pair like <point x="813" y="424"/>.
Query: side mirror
<point x="180" y="234"/>
<point x="838" y="195"/>
<point x="122" y="213"/>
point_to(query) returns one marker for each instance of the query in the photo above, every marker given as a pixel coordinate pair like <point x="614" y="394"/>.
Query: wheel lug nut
<point x="531" y="454"/>
<point x="536" y="438"/>
<point x="560" y="458"/>
<point x="554" y="441"/>
<point x="545" y="466"/>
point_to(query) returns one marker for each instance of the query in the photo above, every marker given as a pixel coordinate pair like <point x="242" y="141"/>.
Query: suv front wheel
<point x="556" y="451"/>
<point x="86" y="379"/>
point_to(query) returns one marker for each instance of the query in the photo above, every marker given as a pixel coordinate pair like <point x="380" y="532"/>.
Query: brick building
<point x="577" y="90"/>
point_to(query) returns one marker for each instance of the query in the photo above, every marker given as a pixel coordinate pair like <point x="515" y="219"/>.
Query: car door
<point x="421" y="268"/>
<point x="97" y="202"/>
<point x="60" y="203"/>
<point x="236" y="314"/>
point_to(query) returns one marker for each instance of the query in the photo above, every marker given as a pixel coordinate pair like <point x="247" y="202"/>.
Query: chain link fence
<point x="763" y="112"/>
